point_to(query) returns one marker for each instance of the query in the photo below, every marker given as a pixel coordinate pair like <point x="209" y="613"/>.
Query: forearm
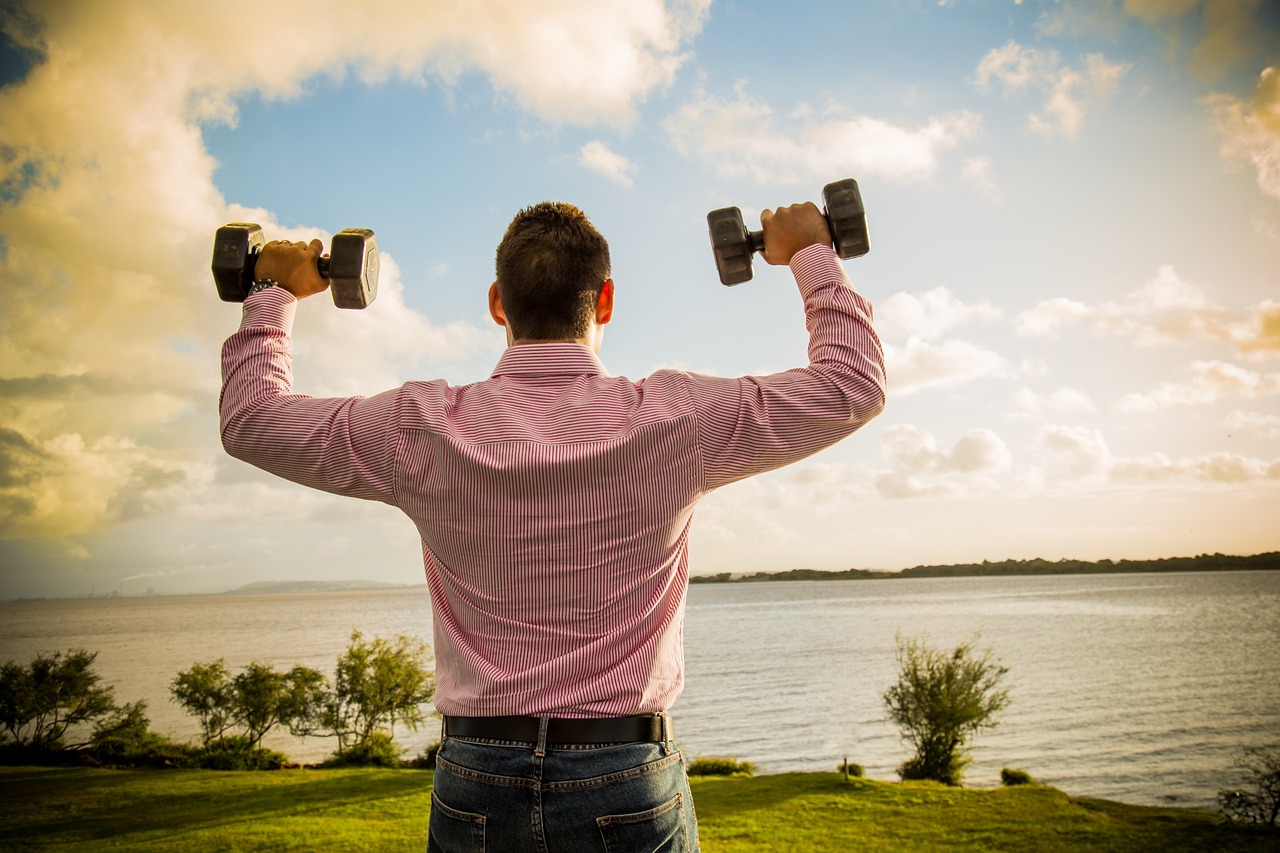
<point x="843" y="345"/>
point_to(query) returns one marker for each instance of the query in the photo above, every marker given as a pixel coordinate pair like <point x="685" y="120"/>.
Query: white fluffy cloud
<point x="1166" y="310"/>
<point x="918" y="355"/>
<point x="1069" y="93"/>
<point x="1081" y="455"/>
<point x="1211" y="382"/>
<point x="919" y="467"/>
<point x="920" y="364"/>
<point x="743" y="136"/>
<point x="929" y="315"/>
<point x="601" y="159"/>
<point x="109" y="336"/>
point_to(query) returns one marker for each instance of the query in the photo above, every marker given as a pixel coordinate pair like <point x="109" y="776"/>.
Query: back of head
<point x="551" y="266"/>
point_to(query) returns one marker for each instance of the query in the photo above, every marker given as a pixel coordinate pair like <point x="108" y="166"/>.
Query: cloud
<point x="745" y="137"/>
<point x="1259" y="423"/>
<point x="918" y="467"/>
<point x="1216" y="468"/>
<point x="110" y="331"/>
<point x="930" y="314"/>
<point x="1079" y="452"/>
<point x="1166" y="310"/>
<point x="920" y="364"/>
<point x="1211" y="381"/>
<point x="1068" y="92"/>
<point x="1251" y="130"/>
<point x="598" y="157"/>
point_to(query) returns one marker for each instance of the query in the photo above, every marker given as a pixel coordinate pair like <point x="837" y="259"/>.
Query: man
<point x="554" y="503"/>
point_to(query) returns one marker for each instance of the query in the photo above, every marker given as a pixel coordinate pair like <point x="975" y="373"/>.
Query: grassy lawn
<point x="84" y="809"/>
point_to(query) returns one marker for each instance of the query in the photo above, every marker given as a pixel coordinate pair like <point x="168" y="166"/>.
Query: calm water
<point x="1139" y="688"/>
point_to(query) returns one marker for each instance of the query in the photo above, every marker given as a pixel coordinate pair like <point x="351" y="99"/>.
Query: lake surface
<point x="1140" y="688"/>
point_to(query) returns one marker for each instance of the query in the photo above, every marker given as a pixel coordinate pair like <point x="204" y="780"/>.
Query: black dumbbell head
<point x="353" y="268"/>
<point x="731" y="244"/>
<point x="847" y="218"/>
<point x="235" y="252"/>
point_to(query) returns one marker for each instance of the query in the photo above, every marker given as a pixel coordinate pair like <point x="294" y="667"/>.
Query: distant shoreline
<point x="1269" y="561"/>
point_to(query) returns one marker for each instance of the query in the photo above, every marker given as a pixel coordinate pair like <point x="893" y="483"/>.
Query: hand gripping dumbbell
<point x="351" y="267"/>
<point x="734" y="245"/>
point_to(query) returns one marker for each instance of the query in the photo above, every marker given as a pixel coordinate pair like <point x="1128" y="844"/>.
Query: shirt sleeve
<point x="342" y="445"/>
<point x="754" y="424"/>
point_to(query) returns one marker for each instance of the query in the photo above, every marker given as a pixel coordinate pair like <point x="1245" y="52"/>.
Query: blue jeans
<point x="502" y="797"/>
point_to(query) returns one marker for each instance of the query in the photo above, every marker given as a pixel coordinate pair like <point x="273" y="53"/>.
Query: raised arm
<point x="341" y="445"/>
<point x="757" y="423"/>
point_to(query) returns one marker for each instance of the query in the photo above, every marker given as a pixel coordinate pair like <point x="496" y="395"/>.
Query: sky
<point x="1074" y="211"/>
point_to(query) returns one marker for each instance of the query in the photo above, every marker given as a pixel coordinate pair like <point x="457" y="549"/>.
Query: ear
<point x="604" y="307"/>
<point x="495" y="305"/>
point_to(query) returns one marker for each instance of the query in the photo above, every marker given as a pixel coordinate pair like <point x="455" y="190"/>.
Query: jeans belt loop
<point x="540" y="749"/>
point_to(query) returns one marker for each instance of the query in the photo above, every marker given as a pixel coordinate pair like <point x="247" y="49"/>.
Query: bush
<point x="236" y="752"/>
<point x="851" y="769"/>
<point x="1261" y="805"/>
<point x="720" y="765"/>
<point x="940" y="701"/>
<point x="425" y="760"/>
<point x="378" y="749"/>
<point x="1010" y="777"/>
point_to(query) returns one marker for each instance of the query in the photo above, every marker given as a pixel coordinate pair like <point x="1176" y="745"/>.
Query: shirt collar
<point x="549" y="360"/>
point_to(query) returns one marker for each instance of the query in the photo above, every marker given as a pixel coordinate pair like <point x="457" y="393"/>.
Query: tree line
<point x="1269" y="561"/>
<point x="57" y="706"/>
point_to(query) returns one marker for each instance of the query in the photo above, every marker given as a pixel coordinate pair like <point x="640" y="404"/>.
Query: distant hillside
<point x="1269" y="561"/>
<point x="289" y="587"/>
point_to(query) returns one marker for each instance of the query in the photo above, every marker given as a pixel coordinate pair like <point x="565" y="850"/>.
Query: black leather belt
<point x="639" y="729"/>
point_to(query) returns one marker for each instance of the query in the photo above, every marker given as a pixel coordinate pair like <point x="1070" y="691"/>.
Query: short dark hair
<point x="551" y="266"/>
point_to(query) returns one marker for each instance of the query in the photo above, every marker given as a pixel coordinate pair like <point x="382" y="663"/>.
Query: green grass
<point x="88" y="809"/>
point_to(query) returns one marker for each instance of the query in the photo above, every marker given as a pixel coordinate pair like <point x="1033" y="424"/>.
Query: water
<point x="1140" y="688"/>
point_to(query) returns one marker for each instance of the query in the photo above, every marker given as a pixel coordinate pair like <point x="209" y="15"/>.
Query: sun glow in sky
<point x="1075" y="265"/>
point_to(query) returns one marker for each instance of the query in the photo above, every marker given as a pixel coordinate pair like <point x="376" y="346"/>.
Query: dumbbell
<point x="733" y="245"/>
<point x="351" y="267"/>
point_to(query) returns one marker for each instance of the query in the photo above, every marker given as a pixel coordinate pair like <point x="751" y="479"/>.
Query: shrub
<point x="236" y="752"/>
<point x="940" y="701"/>
<point x="378" y="749"/>
<point x="720" y="765"/>
<point x="1010" y="777"/>
<point x="851" y="769"/>
<point x="1260" y="806"/>
<point x="425" y="760"/>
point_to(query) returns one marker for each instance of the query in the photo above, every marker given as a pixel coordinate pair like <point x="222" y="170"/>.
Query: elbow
<point x="232" y="433"/>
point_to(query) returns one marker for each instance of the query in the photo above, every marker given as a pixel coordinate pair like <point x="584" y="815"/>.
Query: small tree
<point x="41" y="702"/>
<point x="250" y="704"/>
<point x="1262" y="804"/>
<point x="939" y="702"/>
<point x="377" y="684"/>
<point x="205" y="691"/>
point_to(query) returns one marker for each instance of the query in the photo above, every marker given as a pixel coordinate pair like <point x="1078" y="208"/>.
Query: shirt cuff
<point x="275" y="307"/>
<point x="816" y="265"/>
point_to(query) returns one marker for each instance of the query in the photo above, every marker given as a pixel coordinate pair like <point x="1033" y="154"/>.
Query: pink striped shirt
<point x="554" y="500"/>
